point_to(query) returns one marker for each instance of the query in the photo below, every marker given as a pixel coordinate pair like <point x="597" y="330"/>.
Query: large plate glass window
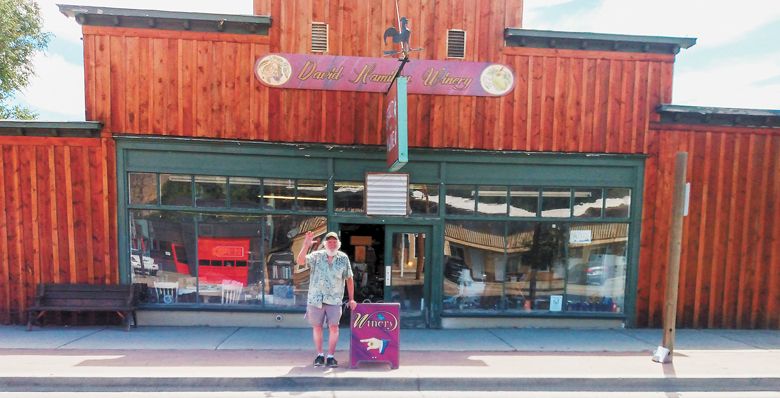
<point x="162" y="247"/>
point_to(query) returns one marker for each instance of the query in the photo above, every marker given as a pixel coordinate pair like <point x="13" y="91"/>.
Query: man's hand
<point x="352" y="304"/>
<point x="309" y="240"/>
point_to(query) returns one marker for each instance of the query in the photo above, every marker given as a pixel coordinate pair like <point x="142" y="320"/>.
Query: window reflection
<point x="474" y="265"/>
<point x="160" y="242"/>
<point x="424" y="198"/>
<point x="556" y="202"/>
<point x="587" y="203"/>
<point x="278" y="194"/>
<point x="176" y="189"/>
<point x="524" y="201"/>
<point x="245" y="192"/>
<point x="460" y="199"/>
<point x="287" y="284"/>
<point x="210" y="191"/>
<point x="597" y="267"/>
<point x="348" y="196"/>
<point x="143" y="188"/>
<point x="312" y="195"/>
<point x="534" y="267"/>
<point x="492" y="200"/>
<point x="618" y="203"/>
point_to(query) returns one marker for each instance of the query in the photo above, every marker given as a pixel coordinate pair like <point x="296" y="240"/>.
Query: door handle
<point x="388" y="274"/>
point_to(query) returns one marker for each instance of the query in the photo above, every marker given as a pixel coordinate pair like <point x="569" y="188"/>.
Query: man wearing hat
<point x="330" y="271"/>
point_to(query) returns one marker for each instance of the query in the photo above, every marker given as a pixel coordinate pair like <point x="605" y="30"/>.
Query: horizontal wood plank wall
<point x="202" y="85"/>
<point x="57" y="216"/>
<point x="730" y="262"/>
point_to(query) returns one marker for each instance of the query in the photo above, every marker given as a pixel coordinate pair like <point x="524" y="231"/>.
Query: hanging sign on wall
<point x="396" y="126"/>
<point x="341" y="73"/>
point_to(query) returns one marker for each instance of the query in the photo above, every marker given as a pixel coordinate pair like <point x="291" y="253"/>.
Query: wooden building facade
<point x="173" y="79"/>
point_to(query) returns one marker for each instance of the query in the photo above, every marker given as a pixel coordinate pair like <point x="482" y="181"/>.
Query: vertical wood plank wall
<point x="730" y="261"/>
<point x="57" y="216"/>
<point x="202" y="85"/>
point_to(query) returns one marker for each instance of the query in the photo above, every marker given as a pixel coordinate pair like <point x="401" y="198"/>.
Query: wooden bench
<point x="84" y="298"/>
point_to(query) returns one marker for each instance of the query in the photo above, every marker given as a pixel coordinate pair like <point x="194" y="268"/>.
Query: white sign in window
<point x="556" y="302"/>
<point x="580" y="236"/>
<point x="387" y="194"/>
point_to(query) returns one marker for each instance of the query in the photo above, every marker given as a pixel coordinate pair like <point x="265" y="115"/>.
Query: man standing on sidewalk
<point x="329" y="271"/>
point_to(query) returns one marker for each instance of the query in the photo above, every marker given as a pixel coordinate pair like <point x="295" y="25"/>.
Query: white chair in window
<point x="167" y="292"/>
<point x="231" y="292"/>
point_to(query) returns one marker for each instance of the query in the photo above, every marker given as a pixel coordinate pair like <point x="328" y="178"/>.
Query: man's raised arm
<point x="308" y="241"/>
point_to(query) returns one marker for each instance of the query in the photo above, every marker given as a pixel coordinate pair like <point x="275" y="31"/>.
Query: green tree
<point x="21" y="35"/>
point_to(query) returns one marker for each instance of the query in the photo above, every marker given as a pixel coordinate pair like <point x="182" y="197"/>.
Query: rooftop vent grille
<point x="456" y="43"/>
<point x="319" y="37"/>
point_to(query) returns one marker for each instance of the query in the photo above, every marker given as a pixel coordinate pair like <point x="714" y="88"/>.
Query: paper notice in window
<point x="580" y="236"/>
<point x="556" y="302"/>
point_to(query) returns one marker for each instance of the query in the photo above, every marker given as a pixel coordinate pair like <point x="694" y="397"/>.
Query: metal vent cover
<point x="456" y="43"/>
<point x="319" y="37"/>
<point x="387" y="194"/>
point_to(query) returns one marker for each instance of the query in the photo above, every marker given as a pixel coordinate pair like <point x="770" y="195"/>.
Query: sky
<point x="734" y="64"/>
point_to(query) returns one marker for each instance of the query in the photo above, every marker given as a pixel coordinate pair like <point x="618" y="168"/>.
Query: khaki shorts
<point x="317" y="316"/>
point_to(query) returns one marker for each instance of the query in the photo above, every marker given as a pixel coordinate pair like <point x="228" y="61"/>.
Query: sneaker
<point x="332" y="363"/>
<point x="319" y="361"/>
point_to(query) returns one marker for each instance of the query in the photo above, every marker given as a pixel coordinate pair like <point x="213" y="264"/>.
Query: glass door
<point x="407" y="256"/>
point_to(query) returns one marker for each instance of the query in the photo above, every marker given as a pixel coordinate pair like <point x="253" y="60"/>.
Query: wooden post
<point x="675" y="244"/>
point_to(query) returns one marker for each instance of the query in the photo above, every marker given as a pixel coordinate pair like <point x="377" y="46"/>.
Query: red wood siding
<point x="730" y="262"/>
<point x="57" y="216"/>
<point x="202" y="85"/>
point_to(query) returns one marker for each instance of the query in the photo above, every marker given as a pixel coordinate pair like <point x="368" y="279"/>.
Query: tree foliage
<point x="21" y="35"/>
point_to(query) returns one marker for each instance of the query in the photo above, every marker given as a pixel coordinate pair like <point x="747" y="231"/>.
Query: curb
<point x="187" y="384"/>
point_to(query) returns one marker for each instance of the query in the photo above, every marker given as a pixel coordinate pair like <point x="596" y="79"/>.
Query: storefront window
<point x="424" y="199"/>
<point x="312" y="195"/>
<point x="492" y="200"/>
<point x="596" y="268"/>
<point x="176" y="189"/>
<point x="460" y="199"/>
<point x="348" y="196"/>
<point x="210" y="191"/>
<point x="524" y="201"/>
<point x="229" y="259"/>
<point x="474" y="265"/>
<point x="278" y="194"/>
<point x="618" y="203"/>
<point x="143" y="188"/>
<point x="556" y="202"/>
<point x="587" y="203"/>
<point x="545" y="267"/>
<point x="287" y="284"/>
<point x="246" y="192"/>
<point x="160" y="246"/>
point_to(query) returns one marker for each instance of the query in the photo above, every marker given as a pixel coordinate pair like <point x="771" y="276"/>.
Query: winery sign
<point x="342" y="73"/>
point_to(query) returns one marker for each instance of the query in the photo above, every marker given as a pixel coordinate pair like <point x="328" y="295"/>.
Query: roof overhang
<point x="50" y="129"/>
<point x="516" y="37"/>
<point x="735" y="117"/>
<point x="167" y="20"/>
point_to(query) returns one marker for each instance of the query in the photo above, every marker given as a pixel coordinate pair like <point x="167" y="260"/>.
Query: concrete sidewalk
<point x="250" y="359"/>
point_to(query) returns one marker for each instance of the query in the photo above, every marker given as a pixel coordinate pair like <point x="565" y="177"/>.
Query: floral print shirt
<point x="326" y="281"/>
